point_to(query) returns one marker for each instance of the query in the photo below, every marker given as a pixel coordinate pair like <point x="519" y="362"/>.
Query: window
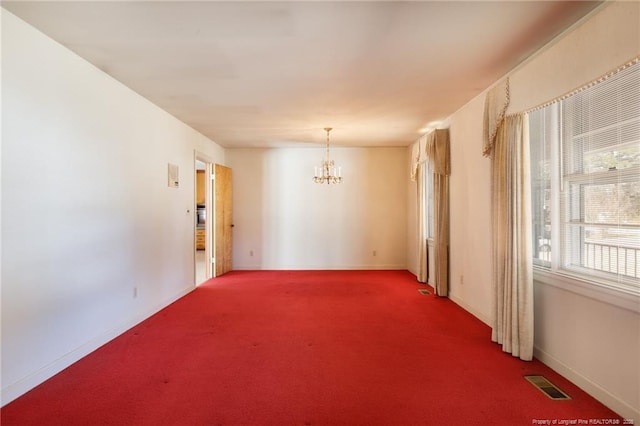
<point x="585" y="182"/>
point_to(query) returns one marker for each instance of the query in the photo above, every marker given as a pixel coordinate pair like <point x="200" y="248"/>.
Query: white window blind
<point x="543" y="129"/>
<point x="585" y="153"/>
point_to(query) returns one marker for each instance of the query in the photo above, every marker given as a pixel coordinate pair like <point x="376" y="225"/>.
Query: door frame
<point x="208" y="249"/>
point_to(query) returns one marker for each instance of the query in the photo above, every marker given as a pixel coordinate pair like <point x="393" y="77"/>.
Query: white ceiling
<point x="256" y="74"/>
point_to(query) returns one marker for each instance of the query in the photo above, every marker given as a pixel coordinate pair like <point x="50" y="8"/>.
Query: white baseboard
<point x="14" y="390"/>
<point x="318" y="267"/>
<point x="469" y="309"/>
<point x="614" y="403"/>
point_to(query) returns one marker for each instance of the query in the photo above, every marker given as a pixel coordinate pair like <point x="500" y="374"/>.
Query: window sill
<point x="590" y="289"/>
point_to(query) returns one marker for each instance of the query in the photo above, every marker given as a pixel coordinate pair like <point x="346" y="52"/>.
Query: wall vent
<point x="546" y="387"/>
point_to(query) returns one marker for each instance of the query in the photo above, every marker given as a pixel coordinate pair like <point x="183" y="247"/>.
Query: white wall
<point x="87" y="216"/>
<point x="470" y="233"/>
<point x="583" y="336"/>
<point x="290" y="222"/>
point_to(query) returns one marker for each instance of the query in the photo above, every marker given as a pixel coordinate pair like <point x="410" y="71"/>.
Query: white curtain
<point x="423" y="261"/>
<point x="512" y="263"/>
<point x="438" y="153"/>
<point x="441" y="233"/>
<point x="418" y="169"/>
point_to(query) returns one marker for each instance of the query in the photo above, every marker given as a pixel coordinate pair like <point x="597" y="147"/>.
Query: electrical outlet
<point x="461" y="279"/>
<point x="135" y="292"/>
<point x="375" y="253"/>
<point x="251" y="253"/>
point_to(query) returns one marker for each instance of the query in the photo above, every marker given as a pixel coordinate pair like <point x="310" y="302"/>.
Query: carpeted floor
<point x="303" y="348"/>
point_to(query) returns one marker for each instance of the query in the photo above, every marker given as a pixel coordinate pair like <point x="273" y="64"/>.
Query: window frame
<point x="560" y="269"/>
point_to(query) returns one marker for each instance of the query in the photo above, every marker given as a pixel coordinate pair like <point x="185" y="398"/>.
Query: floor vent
<point x="424" y="291"/>
<point x="547" y="387"/>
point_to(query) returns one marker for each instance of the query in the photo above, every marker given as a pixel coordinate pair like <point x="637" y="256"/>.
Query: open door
<point x="223" y="226"/>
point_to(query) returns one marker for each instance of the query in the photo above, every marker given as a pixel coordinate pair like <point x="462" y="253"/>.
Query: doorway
<point x="213" y="219"/>
<point x="200" y="225"/>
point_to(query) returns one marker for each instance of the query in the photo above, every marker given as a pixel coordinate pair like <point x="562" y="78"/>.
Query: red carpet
<point x="302" y="348"/>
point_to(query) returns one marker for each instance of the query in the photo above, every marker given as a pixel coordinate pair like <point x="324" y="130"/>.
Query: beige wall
<point x="593" y="338"/>
<point x="289" y="222"/>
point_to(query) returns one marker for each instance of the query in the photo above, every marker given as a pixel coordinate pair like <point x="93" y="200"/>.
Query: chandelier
<point x="327" y="172"/>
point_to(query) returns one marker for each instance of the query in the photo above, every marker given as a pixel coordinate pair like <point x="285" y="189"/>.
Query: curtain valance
<point x="417" y="156"/>
<point x="438" y="153"/>
<point x="495" y="107"/>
